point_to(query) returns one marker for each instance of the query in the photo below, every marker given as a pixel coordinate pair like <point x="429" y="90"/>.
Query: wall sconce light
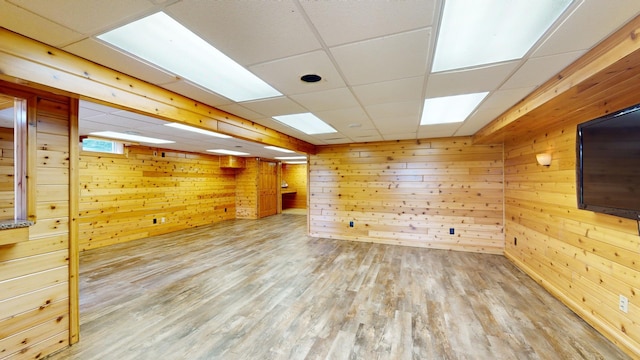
<point x="544" y="159"/>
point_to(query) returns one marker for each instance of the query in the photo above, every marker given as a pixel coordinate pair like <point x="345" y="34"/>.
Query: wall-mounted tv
<point x="608" y="164"/>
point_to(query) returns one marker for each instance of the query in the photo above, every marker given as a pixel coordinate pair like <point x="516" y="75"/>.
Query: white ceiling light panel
<point x="483" y="32"/>
<point x="306" y="122"/>
<point x="450" y="109"/>
<point x="164" y="42"/>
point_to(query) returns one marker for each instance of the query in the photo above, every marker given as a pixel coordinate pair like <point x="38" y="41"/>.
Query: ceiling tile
<point x="396" y="124"/>
<point x="239" y="110"/>
<point x="399" y="136"/>
<point x="195" y="92"/>
<point x="492" y="107"/>
<point x="477" y="121"/>
<point x="249" y="32"/>
<point x="375" y="54"/>
<point x="390" y="91"/>
<point x="366" y="136"/>
<point x="469" y="81"/>
<point x="284" y="74"/>
<point x="334" y="138"/>
<point x="327" y="100"/>
<point x="357" y="133"/>
<point x="98" y="52"/>
<point x="278" y="126"/>
<point x="390" y="110"/>
<point x="24" y="22"/>
<point x="343" y="22"/>
<point x="505" y="98"/>
<point x="588" y="24"/>
<point x="439" y="130"/>
<point x="387" y="58"/>
<point x="274" y="106"/>
<point x="87" y="16"/>
<point x="345" y="119"/>
<point x="538" y="70"/>
<point x="128" y="115"/>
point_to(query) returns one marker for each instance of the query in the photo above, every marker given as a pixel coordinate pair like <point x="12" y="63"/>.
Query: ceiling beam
<point x="34" y="62"/>
<point x="601" y="81"/>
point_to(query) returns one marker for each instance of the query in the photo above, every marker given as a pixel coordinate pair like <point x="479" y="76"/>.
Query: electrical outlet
<point x="162" y="220"/>
<point x="624" y="304"/>
<point x="452" y="231"/>
<point x="155" y="221"/>
<point x="350" y="223"/>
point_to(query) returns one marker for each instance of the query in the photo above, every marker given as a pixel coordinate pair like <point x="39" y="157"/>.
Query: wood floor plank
<point x="262" y="289"/>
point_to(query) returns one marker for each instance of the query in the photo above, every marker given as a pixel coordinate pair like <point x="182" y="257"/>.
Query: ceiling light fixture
<point x="306" y="122"/>
<point x="131" y="137"/>
<point x="291" y="158"/>
<point x="483" y="32"/>
<point x="450" y="109"/>
<point x="164" y="42"/>
<point x="197" y="130"/>
<point x="228" y="152"/>
<point x="275" y="148"/>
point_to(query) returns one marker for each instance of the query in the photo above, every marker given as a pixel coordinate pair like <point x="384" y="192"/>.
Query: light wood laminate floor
<point x="262" y="289"/>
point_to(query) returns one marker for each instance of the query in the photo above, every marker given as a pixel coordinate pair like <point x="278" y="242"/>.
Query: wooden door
<point x="268" y="189"/>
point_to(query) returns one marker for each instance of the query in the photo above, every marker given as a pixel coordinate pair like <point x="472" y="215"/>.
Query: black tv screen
<point x="608" y="164"/>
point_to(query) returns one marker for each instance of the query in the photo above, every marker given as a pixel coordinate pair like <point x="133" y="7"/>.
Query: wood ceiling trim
<point x="32" y="61"/>
<point x="585" y="86"/>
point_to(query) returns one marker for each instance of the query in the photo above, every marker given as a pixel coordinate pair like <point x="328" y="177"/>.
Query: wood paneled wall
<point x="585" y="259"/>
<point x="7" y="178"/>
<point x="122" y="195"/>
<point x="247" y="189"/>
<point x="296" y="177"/>
<point x="34" y="274"/>
<point x="410" y="193"/>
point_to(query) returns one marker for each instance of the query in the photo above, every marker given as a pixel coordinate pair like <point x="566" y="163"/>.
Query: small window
<point x="13" y="158"/>
<point x="104" y="146"/>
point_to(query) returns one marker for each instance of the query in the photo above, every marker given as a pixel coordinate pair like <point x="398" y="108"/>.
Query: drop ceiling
<point x="374" y="58"/>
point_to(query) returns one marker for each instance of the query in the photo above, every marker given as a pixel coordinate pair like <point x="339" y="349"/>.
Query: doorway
<point x="268" y="189"/>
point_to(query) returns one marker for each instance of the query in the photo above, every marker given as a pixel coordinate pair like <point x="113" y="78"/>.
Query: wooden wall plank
<point x="585" y="259"/>
<point x="296" y="177"/>
<point x="247" y="190"/>
<point x="121" y="196"/>
<point x="409" y="193"/>
<point x="34" y="305"/>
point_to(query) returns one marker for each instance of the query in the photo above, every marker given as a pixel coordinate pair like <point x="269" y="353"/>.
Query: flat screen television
<point x="608" y="164"/>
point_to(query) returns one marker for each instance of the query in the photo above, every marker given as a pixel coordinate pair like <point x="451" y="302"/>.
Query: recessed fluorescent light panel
<point x="483" y="32"/>
<point x="291" y="158"/>
<point x="450" y="109"/>
<point x="197" y="130"/>
<point x="306" y="122"/>
<point x="228" y="152"/>
<point x="295" y="162"/>
<point x="130" y="137"/>
<point x="275" y="148"/>
<point x="164" y="42"/>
